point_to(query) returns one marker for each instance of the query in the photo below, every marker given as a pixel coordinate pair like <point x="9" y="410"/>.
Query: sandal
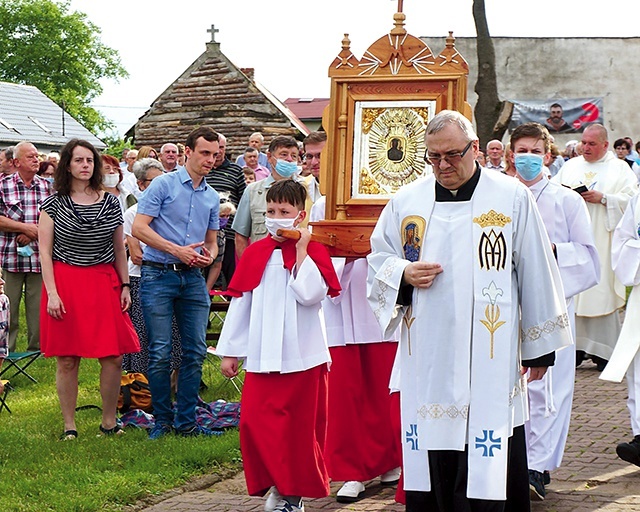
<point x="115" y="431"/>
<point x="69" y="435"/>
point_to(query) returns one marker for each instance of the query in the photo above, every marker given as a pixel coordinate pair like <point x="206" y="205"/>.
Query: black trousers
<point x="228" y="260"/>
<point x="449" y="471"/>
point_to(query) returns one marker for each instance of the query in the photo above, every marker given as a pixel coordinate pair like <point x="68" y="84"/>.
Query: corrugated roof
<point x="307" y="108"/>
<point x="26" y="113"/>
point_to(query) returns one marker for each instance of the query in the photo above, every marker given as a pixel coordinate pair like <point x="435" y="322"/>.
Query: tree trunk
<point x="492" y="115"/>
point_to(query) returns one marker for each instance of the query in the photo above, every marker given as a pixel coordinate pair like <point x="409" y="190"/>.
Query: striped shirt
<point x="83" y="234"/>
<point x="228" y="181"/>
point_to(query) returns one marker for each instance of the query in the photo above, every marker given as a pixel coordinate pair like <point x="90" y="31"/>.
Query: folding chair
<point x="215" y="359"/>
<point x="19" y="362"/>
<point x="3" y="396"/>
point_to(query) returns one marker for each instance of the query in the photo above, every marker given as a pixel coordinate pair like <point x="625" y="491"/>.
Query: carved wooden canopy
<point x="375" y="122"/>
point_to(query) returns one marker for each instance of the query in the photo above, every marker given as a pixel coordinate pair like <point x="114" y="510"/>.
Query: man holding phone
<point x="606" y="184"/>
<point x="178" y="219"/>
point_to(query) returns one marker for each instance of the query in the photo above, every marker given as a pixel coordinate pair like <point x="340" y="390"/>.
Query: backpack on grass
<point x="134" y="393"/>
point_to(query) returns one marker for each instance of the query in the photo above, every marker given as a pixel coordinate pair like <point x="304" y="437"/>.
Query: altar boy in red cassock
<point x="274" y="325"/>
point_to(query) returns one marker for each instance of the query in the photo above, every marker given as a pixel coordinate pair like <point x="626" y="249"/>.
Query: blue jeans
<point x="164" y="293"/>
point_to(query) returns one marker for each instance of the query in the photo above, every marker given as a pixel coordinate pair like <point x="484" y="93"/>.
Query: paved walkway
<point x="592" y="477"/>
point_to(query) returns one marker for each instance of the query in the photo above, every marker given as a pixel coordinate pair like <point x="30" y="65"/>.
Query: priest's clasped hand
<point x="421" y="274"/>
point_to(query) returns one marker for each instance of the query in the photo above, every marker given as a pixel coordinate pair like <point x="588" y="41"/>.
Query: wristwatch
<point x="603" y="200"/>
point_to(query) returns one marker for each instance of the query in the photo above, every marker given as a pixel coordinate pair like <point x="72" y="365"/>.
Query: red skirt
<point x="94" y="325"/>
<point x="282" y="432"/>
<point x="361" y="441"/>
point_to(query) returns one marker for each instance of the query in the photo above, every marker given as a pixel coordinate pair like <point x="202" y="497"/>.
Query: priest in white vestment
<point x="462" y="262"/>
<point x="566" y="219"/>
<point x="625" y="257"/>
<point x="607" y="184"/>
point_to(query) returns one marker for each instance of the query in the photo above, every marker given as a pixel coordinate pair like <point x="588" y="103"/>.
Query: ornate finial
<point x="398" y="21"/>
<point x="450" y="40"/>
<point x="346" y="42"/>
<point x="213" y="31"/>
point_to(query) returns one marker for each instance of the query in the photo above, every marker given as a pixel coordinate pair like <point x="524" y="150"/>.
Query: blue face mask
<point x="286" y="169"/>
<point x="528" y="165"/>
<point x="223" y="222"/>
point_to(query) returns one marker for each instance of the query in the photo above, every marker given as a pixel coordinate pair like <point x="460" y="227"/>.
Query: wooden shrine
<point x="375" y="123"/>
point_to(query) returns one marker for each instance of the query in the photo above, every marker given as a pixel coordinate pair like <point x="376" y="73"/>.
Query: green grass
<point x="40" y="473"/>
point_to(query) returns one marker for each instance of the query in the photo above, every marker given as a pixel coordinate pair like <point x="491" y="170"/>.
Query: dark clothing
<point x="449" y="483"/>
<point x="228" y="181"/>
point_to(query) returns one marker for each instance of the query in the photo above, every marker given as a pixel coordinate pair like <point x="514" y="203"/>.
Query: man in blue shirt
<point x="178" y="220"/>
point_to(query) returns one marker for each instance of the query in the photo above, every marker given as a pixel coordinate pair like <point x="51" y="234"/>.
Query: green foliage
<point x="59" y="52"/>
<point x="115" y="145"/>
<point x="92" y="473"/>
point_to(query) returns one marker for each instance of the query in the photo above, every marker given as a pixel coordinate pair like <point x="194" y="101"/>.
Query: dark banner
<point x="559" y="116"/>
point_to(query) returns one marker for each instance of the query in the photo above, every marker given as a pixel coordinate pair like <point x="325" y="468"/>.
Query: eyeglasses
<point x="451" y="158"/>
<point x="310" y="156"/>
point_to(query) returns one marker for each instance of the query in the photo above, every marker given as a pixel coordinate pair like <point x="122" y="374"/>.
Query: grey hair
<point x="8" y="152"/>
<point x="446" y="117"/>
<point x="17" y="149"/>
<point x="142" y="166"/>
<point x="168" y="144"/>
<point x="259" y="135"/>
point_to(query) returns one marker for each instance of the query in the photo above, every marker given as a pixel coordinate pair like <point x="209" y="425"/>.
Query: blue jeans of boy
<point x="163" y="293"/>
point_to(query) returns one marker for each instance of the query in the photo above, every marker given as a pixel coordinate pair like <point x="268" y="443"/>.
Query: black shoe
<point x="536" y="486"/>
<point x="580" y="356"/>
<point x="546" y="478"/>
<point x="630" y="452"/>
<point x="601" y="363"/>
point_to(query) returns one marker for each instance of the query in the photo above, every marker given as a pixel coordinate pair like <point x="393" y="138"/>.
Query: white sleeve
<point x="625" y="247"/>
<point x="234" y="338"/>
<point x="386" y="268"/>
<point x="578" y="258"/>
<point x="307" y="284"/>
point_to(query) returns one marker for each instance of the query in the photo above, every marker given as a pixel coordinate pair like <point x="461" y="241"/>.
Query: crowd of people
<point x="512" y="264"/>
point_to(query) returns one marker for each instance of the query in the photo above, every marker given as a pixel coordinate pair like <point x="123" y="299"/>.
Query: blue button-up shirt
<point x="181" y="214"/>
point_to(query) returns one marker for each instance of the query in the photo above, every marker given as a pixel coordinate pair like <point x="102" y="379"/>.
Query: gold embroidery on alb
<point x="492" y="218"/>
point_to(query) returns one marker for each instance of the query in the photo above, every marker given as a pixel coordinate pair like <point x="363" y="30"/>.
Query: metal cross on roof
<point x="213" y="31"/>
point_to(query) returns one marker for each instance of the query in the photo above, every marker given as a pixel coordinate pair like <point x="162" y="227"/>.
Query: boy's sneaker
<point x="272" y="499"/>
<point x="160" y="430"/>
<point x="350" y="492"/>
<point x="536" y="486"/>
<point x="196" y="431"/>
<point x="630" y="452"/>
<point x="284" y="506"/>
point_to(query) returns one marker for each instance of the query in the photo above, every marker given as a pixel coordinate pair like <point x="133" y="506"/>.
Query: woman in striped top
<point x="86" y="287"/>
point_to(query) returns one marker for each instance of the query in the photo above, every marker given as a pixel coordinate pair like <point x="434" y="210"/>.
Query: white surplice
<point x="348" y="317"/>
<point x="626" y="264"/>
<point x="597" y="322"/>
<point x="439" y="380"/>
<point x="566" y="219"/>
<point x="277" y="327"/>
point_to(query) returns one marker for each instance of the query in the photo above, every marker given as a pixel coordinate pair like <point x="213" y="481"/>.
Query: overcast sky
<point x="291" y="43"/>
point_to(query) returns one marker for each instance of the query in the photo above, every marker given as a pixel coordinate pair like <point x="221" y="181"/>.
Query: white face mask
<point x="110" y="180"/>
<point x="273" y="225"/>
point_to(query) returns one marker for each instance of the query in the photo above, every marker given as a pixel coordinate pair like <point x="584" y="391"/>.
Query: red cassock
<point x="283" y="432"/>
<point x="361" y="441"/>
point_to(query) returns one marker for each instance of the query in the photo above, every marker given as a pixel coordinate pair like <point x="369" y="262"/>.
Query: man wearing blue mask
<point x="568" y="225"/>
<point x="249" y="221"/>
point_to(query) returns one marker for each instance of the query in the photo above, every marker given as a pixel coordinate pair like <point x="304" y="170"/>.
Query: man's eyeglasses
<point x="451" y="158"/>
